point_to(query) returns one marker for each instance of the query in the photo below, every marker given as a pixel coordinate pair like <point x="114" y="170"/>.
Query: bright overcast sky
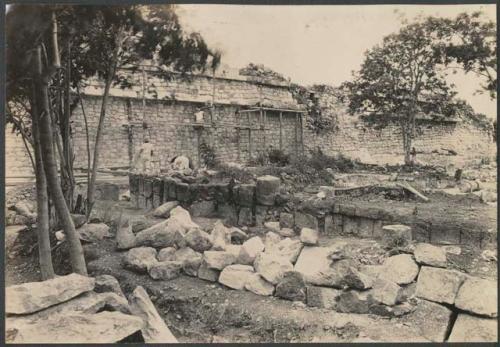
<point x="315" y="44"/>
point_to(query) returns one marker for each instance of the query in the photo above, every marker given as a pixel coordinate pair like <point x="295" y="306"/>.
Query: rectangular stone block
<point x="322" y="297"/>
<point x="245" y="194"/>
<point x="448" y="237"/>
<point x="305" y="220"/>
<point x="365" y="227"/>
<point x="350" y="226"/>
<point x="203" y="208"/>
<point x="227" y="212"/>
<point x="182" y="191"/>
<point x="141" y="202"/>
<point x="348" y="210"/>
<point x="157" y="192"/>
<point x="148" y="187"/>
<point x="260" y="214"/>
<point x="245" y="217"/>
<point x="377" y="228"/>
<point x="287" y="220"/>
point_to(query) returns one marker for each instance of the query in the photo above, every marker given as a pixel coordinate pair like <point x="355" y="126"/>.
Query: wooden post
<point x="249" y="138"/>
<point x="281" y="131"/>
<point x="264" y="130"/>
<point x="296" y="134"/>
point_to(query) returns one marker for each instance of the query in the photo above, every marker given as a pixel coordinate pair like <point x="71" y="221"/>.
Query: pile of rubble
<point x="79" y="309"/>
<point x="293" y="267"/>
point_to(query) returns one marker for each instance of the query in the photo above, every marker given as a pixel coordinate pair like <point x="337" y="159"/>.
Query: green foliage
<point x="278" y="157"/>
<point x="262" y="72"/>
<point x="208" y="156"/>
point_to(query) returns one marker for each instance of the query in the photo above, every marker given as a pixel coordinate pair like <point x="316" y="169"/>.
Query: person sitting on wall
<point x="142" y="162"/>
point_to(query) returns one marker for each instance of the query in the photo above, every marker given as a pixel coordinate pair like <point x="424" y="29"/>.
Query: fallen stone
<point x="183" y="218"/>
<point x="355" y="279"/>
<point x="218" y="260"/>
<point x="103" y="327"/>
<point x="184" y="254"/>
<point x="249" y="250"/>
<point x="154" y="329"/>
<point x="291" y="287"/>
<point x="140" y="223"/>
<point x="139" y="259"/>
<point x="427" y="254"/>
<point x="236" y="276"/>
<point x="474" y="329"/>
<point x="271" y="240"/>
<point x="272" y="226"/>
<point x="94" y="232"/>
<point x="353" y="301"/>
<point x="386" y="292"/>
<point x="234" y="249"/>
<point x="238" y="236"/>
<point x="391" y="311"/>
<point x="221" y="236"/>
<point x="286" y="220"/>
<point x="272" y="267"/>
<point x="372" y="271"/>
<point x="125" y="238"/>
<point x="478" y="296"/>
<point x="35" y="296"/>
<point x="207" y="274"/>
<point x="400" y="269"/>
<point x="431" y="319"/>
<point x="190" y="260"/>
<point x="322" y="297"/>
<point x="258" y="285"/>
<point x="169" y="233"/>
<point x="198" y="240"/>
<point x="107" y="283"/>
<point x="266" y="190"/>
<point x="165" y="270"/>
<point x="164" y="210"/>
<point x="166" y="253"/>
<point x="286" y="232"/>
<point x="309" y="237"/>
<point x="439" y="285"/>
<point x="287" y="248"/>
<point x="396" y="235"/>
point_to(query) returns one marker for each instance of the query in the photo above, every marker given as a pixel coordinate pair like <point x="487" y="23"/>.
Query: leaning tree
<point x="398" y="80"/>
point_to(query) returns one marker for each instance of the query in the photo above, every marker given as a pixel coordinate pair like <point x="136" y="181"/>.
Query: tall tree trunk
<point x="42" y="201"/>
<point x="49" y="162"/>
<point x="100" y="126"/>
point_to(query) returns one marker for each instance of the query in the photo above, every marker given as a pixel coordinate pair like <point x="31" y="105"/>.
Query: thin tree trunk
<point x="42" y="201"/>
<point x="87" y="136"/>
<point x="49" y="162"/>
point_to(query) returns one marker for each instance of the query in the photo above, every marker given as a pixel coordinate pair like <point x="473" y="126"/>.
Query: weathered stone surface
<point x="245" y="216"/>
<point x="236" y="276"/>
<point x="169" y="233"/>
<point x="427" y="254"/>
<point x="107" y="283"/>
<point x="271" y="240"/>
<point x="166" y="253"/>
<point x="164" y="210"/>
<point x="318" y="269"/>
<point x="372" y="271"/>
<point x="309" y="237"/>
<point x="125" y="238"/>
<point x="258" y="285"/>
<point x="198" y="240"/>
<point x="287" y="248"/>
<point x="234" y="249"/>
<point x="478" y="296"/>
<point x="439" y="285"/>
<point x="322" y="297"/>
<point x="261" y="214"/>
<point x="94" y="232"/>
<point x="35" y="296"/>
<point x="286" y="232"/>
<point x="165" y="270"/>
<point x="353" y="301"/>
<point x="272" y="226"/>
<point x="386" y="292"/>
<point x="266" y="189"/>
<point x="474" y="329"/>
<point x="431" y="319"/>
<point x="140" y="223"/>
<point x="291" y="287"/>
<point x="400" y="269"/>
<point x="154" y="329"/>
<point x="305" y="220"/>
<point x="207" y="274"/>
<point x="245" y="194"/>
<point x="272" y="267"/>
<point x="103" y="327"/>
<point x="396" y="235"/>
<point x="355" y="279"/>
<point x="249" y="250"/>
<point x="218" y="260"/>
<point x="203" y="208"/>
<point x="286" y="220"/>
<point x="220" y="236"/>
<point x="138" y="259"/>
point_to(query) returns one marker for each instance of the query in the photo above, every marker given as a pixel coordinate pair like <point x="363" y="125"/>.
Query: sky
<point x="317" y="44"/>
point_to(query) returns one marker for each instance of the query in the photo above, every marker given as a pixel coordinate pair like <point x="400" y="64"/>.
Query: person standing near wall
<point x="142" y="162"/>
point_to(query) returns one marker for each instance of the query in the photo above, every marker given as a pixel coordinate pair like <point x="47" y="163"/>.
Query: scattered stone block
<point x="238" y="236"/>
<point x="478" y="296"/>
<point x="474" y="329"/>
<point x="355" y="279"/>
<point x="322" y="297"/>
<point x="396" y="235"/>
<point x="236" y="276"/>
<point x="250" y="249"/>
<point x="400" y="269"/>
<point x="198" y="240"/>
<point x="266" y="190"/>
<point x="386" y="292"/>
<point x="140" y="223"/>
<point x="94" y="232"/>
<point x="291" y="287"/>
<point x="166" y="253"/>
<point x="305" y="220"/>
<point x="220" y="236"/>
<point x="208" y="274"/>
<point x="272" y="226"/>
<point x="287" y="248"/>
<point x="439" y="285"/>
<point x="163" y="211"/>
<point x="286" y="220"/>
<point x="427" y="254"/>
<point x="431" y="319"/>
<point x="125" y="238"/>
<point x="35" y="296"/>
<point x="272" y="267"/>
<point x="107" y="283"/>
<point x="165" y="270"/>
<point x="353" y="301"/>
<point x="258" y="285"/>
<point x="271" y="240"/>
<point x="218" y="260"/>
<point x="245" y="217"/>
<point x="287" y="232"/>
<point x="139" y="259"/>
<point x="309" y="237"/>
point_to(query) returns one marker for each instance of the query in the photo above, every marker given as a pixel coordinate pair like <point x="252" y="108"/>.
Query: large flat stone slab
<point x="478" y="296"/>
<point x="439" y="285"/>
<point x="474" y="329"/>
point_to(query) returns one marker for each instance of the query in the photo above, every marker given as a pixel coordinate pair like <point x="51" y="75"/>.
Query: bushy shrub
<point x="207" y="154"/>
<point x="278" y="157"/>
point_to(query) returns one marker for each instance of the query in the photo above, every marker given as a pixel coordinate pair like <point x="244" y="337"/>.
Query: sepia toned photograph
<point x="250" y="173"/>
